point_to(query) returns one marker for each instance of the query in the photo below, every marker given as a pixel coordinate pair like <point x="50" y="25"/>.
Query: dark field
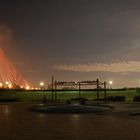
<point x="64" y="95"/>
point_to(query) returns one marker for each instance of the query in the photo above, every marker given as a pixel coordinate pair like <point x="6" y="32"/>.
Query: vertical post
<point x="52" y="89"/>
<point x="105" y="92"/>
<point x="55" y="90"/>
<point x="98" y="96"/>
<point x="79" y="90"/>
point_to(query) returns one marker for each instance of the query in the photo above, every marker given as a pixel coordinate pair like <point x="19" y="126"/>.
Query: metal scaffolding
<point x="97" y="83"/>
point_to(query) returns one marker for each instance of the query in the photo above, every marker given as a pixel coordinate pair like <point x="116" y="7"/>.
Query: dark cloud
<point x="71" y="32"/>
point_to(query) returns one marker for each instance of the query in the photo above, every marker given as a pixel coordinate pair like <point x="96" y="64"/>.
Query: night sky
<point x="73" y="39"/>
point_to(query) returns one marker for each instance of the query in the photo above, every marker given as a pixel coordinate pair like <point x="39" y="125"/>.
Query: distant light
<point x="110" y="82"/>
<point x="6" y="83"/>
<point x="27" y="88"/>
<point x="41" y="84"/>
<point x="10" y="85"/>
<point x="21" y="86"/>
<point x="1" y="84"/>
<point x="32" y="88"/>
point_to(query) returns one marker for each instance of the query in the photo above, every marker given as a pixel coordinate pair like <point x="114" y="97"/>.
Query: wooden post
<point x="52" y="89"/>
<point x="79" y="90"/>
<point x="55" y="90"/>
<point x="105" y="92"/>
<point x="98" y="96"/>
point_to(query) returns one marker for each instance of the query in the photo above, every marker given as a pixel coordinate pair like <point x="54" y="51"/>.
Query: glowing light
<point x="41" y="84"/>
<point x="10" y="85"/>
<point x="7" y="83"/>
<point x="110" y="82"/>
<point x="1" y="84"/>
<point x="27" y="88"/>
<point x="21" y="86"/>
<point x="32" y="88"/>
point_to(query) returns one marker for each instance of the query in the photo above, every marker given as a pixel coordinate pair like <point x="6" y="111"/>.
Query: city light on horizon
<point x="6" y="82"/>
<point x="10" y="86"/>
<point x="110" y="82"/>
<point x="1" y="85"/>
<point x="27" y="88"/>
<point x="41" y="83"/>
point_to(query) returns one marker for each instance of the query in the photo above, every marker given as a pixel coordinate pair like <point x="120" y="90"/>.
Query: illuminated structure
<point x="9" y="76"/>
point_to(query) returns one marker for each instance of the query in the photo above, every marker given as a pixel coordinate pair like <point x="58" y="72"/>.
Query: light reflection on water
<point x="75" y="117"/>
<point x="7" y="110"/>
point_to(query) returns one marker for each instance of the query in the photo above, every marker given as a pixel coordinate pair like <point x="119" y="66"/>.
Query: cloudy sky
<point x="73" y="39"/>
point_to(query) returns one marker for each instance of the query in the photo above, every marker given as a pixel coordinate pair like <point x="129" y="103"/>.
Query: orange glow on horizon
<point x="8" y="72"/>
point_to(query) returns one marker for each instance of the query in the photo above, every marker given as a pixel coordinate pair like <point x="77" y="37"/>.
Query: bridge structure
<point x="9" y="76"/>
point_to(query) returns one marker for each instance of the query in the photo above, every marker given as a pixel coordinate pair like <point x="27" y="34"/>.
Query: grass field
<point x="63" y="95"/>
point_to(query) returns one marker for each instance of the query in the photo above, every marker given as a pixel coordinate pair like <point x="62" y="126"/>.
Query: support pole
<point x="52" y="89"/>
<point x="55" y="90"/>
<point x="105" y="92"/>
<point x="98" y="96"/>
<point x="79" y="90"/>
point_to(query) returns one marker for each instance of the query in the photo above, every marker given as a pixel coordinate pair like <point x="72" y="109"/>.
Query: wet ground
<point x="17" y="122"/>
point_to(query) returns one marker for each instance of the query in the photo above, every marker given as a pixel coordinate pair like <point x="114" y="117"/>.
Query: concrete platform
<point x="70" y="108"/>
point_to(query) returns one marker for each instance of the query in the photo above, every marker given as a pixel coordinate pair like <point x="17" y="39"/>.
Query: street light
<point x="27" y="88"/>
<point x="7" y="83"/>
<point x="1" y="85"/>
<point x="41" y="85"/>
<point x="110" y="83"/>
<point x="10" y="86"/>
